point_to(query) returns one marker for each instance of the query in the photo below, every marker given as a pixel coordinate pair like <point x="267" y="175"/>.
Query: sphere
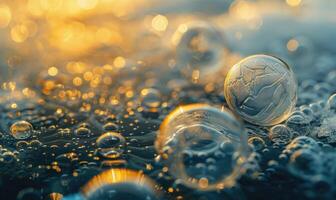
<point x="21" y="130"/>
<point x="110" y="145"/>
<point x="202" y="146"/>
<point x="201" y="49"/>
<point x="120" y="184"/>
<point x="262" y="89"/>
<point x="280" y="134"/>
<point x="150" y="98"/>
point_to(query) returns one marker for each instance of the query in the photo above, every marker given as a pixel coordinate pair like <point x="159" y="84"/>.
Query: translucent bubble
<point x="110" y="144"/>
<point x="299" y="124"/>
<point x="200" y="51"/>
<point x="120" y="184"/>
<point x="261" y="89"/>
<point x="21" y="130"/>
<point x="308" y="112"/>
<point x="202" y="146"/>
<point x="150" y="98"/>
<point x="257" y="142"/>
<point x="82" y="132"/>
<point x="331" y="104"/>
<point x="280" y="134"/>
<point x="110" y="126"/>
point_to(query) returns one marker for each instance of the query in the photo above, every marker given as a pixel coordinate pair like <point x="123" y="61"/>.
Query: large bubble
<point x="261" y="89"/>
<point x="202" y="146"/>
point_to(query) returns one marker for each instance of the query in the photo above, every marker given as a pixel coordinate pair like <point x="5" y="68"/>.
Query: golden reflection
<point x="5" y="15"/>
<point x="115" y="176"/>
<point x="160" y="23"/>
<point x="293" y="3"/>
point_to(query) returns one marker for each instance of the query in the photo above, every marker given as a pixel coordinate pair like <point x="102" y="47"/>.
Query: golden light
<point x="159" y="23"/>
<point x="77" y="81"/>
<point x="119" y="62"/>
<point x="87" y="4"/>
<point x="293" y="3"/>
<point x="19" y="33"/>
<point x="5" y="15"/>
<point x="52" y="71"/>
<point x="114" y="176"/>
<point x="292" y="45"/>
<point x="244" y="10"/>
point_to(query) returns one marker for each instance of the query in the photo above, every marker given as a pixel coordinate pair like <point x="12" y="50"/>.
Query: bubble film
<point x="203" y="146"/>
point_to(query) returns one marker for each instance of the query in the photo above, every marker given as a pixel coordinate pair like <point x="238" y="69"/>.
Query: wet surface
<point x="86" y="86"/>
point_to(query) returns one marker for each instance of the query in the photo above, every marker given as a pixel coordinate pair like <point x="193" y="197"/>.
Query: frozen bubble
<point x="192" y="134"/>
<point x="261" y="89"/>
<point x="21" y="130"/>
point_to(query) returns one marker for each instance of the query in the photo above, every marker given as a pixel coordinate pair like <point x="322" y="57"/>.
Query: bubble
<point x="257" y="142"/>
<point x="280" y="134"/>
<point x="201" y="144"/>
<point x="110" y="144"/>
<point x="331" y="104"/>
<point x="82" y="132"/>
<point x="110" y="126"/>
<point x="200" y="51"/>
<point x="150" y="98"/>
<point x="120" y="184"/>
<point x="261" y="89"/>
<point x="21" y="130"/>
<point x="308" y="112"/>
<point x="299" y="124"/>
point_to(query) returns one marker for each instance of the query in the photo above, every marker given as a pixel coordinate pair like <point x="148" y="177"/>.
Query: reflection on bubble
<point x="110" y="144"/>
<point x="123" y="184"/>
<point x="21" y="129"/>
<point x="202" y="146"/>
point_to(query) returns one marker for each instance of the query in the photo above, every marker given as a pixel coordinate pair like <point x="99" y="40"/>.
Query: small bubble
<point x="21" y="130"/>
